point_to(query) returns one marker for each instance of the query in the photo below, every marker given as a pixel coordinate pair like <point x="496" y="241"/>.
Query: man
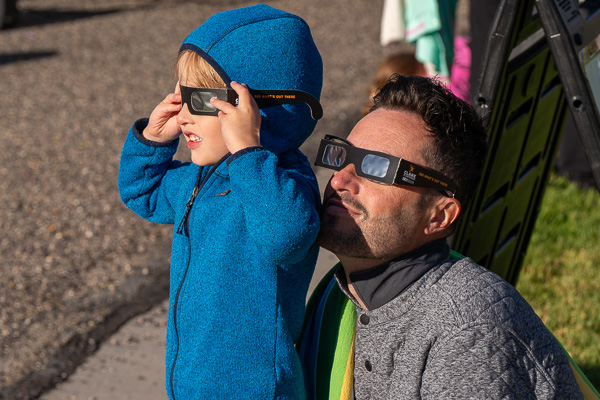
<point x="427" y="326"/>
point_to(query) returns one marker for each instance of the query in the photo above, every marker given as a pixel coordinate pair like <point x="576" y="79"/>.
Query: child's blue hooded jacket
<point x="243" y="250"/>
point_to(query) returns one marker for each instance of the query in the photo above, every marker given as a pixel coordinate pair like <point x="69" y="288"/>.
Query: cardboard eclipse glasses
<point x="198" y="99"/>
<point x="336" y="153"/>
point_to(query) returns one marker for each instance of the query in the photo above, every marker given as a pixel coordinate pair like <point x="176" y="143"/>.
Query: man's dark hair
<point x="460" y="137"/>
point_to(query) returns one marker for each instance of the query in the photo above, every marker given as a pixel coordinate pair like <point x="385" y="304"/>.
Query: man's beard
<point x="367" y="236"/>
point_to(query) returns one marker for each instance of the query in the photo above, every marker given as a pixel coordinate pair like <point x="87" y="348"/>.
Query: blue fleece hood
<point x="265" y="48"/>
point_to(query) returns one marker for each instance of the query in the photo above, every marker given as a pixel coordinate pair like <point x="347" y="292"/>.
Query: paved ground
<point x="128" y="366"/>
<point x="75" y="263"/>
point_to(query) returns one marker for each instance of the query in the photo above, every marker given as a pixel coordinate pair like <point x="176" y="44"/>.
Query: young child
<point x="406" y="63"/>
<point x="245" y="211"/>
<point x="399" y="63"/>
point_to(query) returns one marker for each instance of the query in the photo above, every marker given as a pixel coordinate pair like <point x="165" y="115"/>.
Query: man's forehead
<point x="399" y="133"/>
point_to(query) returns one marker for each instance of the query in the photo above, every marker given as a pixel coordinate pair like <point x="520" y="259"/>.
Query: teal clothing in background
<point x="429" y="24"/>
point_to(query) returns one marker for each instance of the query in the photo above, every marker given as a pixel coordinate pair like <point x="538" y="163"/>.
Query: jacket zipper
<point x="183" y="229"/>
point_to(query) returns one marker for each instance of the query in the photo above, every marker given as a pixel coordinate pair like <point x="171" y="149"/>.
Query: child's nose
<point x="184" y="116"/>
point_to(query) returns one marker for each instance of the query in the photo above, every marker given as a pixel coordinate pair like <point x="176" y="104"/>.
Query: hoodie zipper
<point x="183" y="229"/>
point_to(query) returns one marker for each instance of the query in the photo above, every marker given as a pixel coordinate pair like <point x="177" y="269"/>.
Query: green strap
<point x="337" y="333"/>
<point x="327" y="338"/>
<point x="587" y="389"/>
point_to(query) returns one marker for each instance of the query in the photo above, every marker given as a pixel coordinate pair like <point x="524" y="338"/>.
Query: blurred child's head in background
<point x="400" y="63"/>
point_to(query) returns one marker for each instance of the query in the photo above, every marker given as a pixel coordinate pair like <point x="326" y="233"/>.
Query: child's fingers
<point x="224" y="106"/>
<point x="245" y="99"/>
<point x="172" y="98"/>
<point x="241" y="90"/>
<point x="173" y="108"/>
<point x="243" y="94"/>
<point x="171" y="104"/>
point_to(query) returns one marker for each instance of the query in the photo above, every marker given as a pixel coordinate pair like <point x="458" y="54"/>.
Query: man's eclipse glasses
<point x="336" y="153"/>
<point x="198" y="99"/>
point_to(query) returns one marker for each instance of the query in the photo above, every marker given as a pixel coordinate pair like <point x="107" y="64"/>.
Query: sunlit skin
<point x="209" y="138"/>
<point x="366" y="223"/>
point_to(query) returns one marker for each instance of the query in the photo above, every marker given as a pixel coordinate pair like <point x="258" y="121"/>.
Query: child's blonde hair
<point x="197" y="71"/>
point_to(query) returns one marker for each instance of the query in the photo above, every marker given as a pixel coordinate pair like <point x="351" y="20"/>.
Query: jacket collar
<point x="383" y="283"/>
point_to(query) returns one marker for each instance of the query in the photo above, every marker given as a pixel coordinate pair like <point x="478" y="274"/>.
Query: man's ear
<point x="442" y="214"/>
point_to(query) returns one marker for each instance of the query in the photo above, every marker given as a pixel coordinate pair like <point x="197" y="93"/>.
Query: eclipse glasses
<point x="336" y="153"/>
<point x="198" y="99"/>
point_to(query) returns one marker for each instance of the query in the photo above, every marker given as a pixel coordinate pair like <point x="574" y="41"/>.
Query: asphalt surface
<point x="75" y="263"/>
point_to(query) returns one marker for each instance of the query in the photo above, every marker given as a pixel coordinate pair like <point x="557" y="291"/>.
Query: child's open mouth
<point x="193" y="140"/>
<point x="192" y="137"/>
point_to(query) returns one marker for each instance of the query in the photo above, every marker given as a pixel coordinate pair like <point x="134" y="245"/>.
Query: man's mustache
<point x="347" y="199"/>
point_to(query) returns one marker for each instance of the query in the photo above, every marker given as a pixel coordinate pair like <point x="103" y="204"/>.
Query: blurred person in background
<point x="438" y="33"/>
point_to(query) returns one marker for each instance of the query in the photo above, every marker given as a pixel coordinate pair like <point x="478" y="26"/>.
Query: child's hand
<point x="162" y="125"/>
<point x="240" y="126"/>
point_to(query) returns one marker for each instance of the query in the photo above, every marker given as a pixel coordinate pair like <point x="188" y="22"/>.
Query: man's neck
<point x="357" y="264"/>
<point x="353" y="264"/>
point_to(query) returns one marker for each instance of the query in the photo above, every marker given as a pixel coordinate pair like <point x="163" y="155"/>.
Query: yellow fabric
<point x="588" y="391"/>
<point x="343" y="351"/>
<point x="347" y="392"/>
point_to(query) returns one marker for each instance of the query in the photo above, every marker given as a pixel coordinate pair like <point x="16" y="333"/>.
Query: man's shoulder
<point x="458" y="293"/>
<point x="490" y="317"/>
<point x="465" y="274"/>
<point x="477" y="293"/>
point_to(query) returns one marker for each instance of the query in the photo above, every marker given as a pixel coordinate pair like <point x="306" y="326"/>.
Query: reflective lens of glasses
<point x="201" y="101"/>
<point x="334" y="155"/>
<point x="375" y="166"/>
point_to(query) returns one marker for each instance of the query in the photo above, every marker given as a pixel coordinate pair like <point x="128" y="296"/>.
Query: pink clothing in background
<point x="461" y="69"/>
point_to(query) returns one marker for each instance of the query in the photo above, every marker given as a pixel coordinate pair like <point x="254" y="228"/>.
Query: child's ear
<point x="442" y="214"/>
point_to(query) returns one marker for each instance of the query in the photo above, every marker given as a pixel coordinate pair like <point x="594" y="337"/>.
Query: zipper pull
<point x="183" y="225"/>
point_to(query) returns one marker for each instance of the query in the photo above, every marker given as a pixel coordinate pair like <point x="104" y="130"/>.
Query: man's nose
<point x="346" y="179"/>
